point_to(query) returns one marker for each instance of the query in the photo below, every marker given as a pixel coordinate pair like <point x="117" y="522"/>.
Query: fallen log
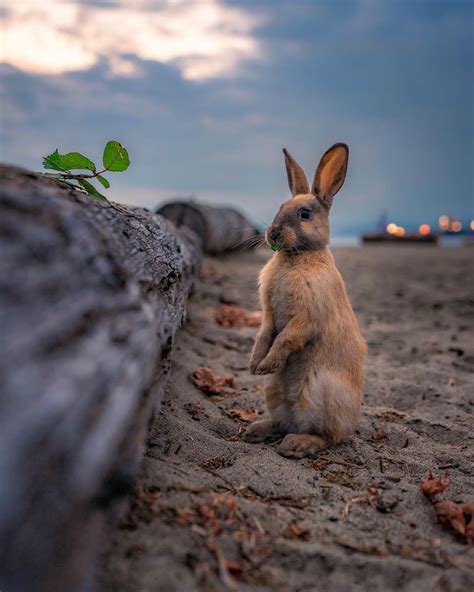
<point x="91" y="295"/>
<point x="221" y="229"/>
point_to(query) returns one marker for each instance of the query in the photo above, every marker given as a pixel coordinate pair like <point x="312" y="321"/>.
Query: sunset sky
<point x="205" y="94"/>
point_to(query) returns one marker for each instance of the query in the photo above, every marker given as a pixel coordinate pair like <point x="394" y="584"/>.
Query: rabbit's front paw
<point x="259" y="352"/>
<point x="254" y="363"/>
<point x="269" y="365"/>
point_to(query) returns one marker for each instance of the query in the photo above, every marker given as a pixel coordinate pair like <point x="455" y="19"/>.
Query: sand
<point x="212" y="512"/>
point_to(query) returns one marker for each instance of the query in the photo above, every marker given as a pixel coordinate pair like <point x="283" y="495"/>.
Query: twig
<point x="449" y="466"/>
<point x="366" y="499"/>
<point x="336" y="459"/>
<point x="65" y="175"/>
<point x="229" y="483"/>
<point x="224" y="574"/>
<point x="259" y="525"/>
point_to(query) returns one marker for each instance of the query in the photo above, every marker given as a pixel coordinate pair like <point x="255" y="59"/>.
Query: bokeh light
<point x="444" y="222"/>
<point x="400" y="231"/>
<point x="424" y="229"/>
<point x="391" y="228"/>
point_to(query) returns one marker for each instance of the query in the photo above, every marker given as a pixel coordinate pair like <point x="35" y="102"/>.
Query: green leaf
<point x="53" y="161"/>
<point x="115" y="157"/>
<point x="76" y="160"/>
<point x="104" y="181"/>
<point x="67" y="162"/>
<point x="91" y="190"/>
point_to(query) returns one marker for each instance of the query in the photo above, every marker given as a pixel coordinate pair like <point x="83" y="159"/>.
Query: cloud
<point x="203" y="40"/>
<point x="393" y="81"/>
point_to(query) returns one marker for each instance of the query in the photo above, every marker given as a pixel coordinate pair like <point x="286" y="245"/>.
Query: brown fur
<point x="309" y="340"/>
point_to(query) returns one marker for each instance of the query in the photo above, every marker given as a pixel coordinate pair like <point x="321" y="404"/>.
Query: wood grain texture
<point x="91" y="296"/>
<point x="221" y="229"/>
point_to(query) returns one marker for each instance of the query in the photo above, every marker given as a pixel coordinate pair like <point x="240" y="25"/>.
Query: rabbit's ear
<point x="296" y="178"/>
<point x="331" y="173"/>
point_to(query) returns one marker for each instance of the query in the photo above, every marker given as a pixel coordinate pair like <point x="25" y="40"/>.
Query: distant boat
<point x="388" y="232"/>
<point x="449" y="228"/>
<point x="385" y="237"/>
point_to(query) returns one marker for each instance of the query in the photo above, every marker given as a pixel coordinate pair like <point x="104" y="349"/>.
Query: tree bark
<point x="91" y="296"/>
<point x="221" y="229"/>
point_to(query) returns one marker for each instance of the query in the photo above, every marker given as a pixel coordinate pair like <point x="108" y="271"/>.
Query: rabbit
<point x="309" y="339"/>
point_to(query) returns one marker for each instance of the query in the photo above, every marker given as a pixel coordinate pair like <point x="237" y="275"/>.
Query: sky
<point x="204" y="95"/>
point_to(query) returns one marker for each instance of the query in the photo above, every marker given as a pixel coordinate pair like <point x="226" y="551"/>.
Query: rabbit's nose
<point x="274" y="234"/>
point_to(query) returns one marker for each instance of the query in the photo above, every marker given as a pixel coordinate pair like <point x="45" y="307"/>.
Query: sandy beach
<point x="211" y="512"/>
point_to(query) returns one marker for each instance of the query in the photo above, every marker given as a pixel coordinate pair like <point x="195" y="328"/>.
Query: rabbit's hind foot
<point x="260" y="430"/>
<point x="302" y="445"/>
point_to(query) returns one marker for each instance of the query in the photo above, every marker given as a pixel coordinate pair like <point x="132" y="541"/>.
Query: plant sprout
<point x="114" y="159"/>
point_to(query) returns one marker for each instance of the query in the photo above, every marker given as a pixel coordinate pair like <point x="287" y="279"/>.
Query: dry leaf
<point x="254" y="319"/>
<point x="433" y="486"/>
<point x="469" y="532"/>
<point x="234" y="568"/>
<point x="242" y="414"/>
<point x="293" y="531"/>
<point x="184" y="515"/>
<point x="211" y="521"/>
<point x="210" y="383"/>
<point x="226" y="502"/>
<point x="450" y="514"/>
<point x="195" y="410"/>
<point x="234" y="316"/>
<point x="458" y="516"/>
<point x="451" y="381"/>
<point x="468" y="510"/>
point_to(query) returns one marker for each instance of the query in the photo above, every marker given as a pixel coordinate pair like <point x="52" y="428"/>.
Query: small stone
<point x="387" y="501"/>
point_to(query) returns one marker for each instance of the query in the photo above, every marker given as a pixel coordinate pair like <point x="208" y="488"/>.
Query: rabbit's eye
<point x="304" y="214"/>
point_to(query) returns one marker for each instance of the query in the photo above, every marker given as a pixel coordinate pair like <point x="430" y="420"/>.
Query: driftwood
<point x="221" y="229"/>
<point x="91" y="295"/>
